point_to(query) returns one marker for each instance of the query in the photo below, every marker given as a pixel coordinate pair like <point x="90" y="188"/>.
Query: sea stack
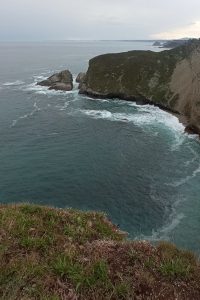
<point x="60" y="81"/>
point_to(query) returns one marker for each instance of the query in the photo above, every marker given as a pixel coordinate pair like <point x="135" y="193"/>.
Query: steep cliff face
<point x="185" y="83"/>
<point x="169" y="79"/>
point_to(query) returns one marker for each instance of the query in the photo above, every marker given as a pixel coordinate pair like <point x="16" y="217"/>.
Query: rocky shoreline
<point x="168" y="79"/>
<point x="182" y="119"/>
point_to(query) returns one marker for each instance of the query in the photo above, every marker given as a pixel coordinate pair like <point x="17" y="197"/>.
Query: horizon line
<point x="95" y="40"/>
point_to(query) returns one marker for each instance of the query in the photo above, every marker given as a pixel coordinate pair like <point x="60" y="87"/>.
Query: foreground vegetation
<point x="48" y="253"/>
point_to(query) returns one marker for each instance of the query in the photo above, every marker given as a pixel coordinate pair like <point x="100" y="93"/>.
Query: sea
<point x="135" y="163"/>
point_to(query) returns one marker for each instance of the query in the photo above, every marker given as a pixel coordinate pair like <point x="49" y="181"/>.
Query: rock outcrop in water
<point x="169" y="79"/>
<point x="60" y="81"/>
<point x="81" y="79"/>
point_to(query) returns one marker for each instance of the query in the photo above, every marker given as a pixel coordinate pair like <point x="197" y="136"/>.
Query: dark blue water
<point x="62" y="149"/>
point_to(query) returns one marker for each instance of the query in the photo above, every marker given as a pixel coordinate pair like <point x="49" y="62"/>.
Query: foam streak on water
<point x="25" y="116"/>
<point x="165" y="232"/>
<point x="14" y="83"/>
<point x="186" y="179"/>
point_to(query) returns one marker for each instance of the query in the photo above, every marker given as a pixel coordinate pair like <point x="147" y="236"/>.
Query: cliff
<point x="48" y="253"/>
<point x="168" y="79"/>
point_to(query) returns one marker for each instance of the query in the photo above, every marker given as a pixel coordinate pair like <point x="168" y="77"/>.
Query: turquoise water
<point x="67" y="150"/>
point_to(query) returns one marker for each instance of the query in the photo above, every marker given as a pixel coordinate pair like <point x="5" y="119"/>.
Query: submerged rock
<point x="60" y="81"/>
<point x="168" y="79"/>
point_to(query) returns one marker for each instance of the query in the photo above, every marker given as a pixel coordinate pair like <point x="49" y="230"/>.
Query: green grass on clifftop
<point x="48" y="253"/>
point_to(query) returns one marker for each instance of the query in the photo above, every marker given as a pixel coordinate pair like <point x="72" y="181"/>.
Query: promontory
<point x="169" y="79"/>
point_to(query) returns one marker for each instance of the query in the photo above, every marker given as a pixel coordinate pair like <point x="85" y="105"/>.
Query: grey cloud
<point x="94" y="19"/>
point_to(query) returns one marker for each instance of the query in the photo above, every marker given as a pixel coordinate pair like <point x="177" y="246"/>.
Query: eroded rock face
<point x="80" y="78"/>
<point x="60" y="81"/>
<point x="169" y="79"/>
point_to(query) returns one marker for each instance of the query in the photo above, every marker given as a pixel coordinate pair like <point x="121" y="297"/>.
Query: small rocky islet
<point x="62" y="81"/>
<point x="169" y="79"/>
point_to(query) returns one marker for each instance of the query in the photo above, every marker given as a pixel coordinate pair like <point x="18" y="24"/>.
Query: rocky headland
<point x="171" y="43"/>
<point x="169" y="79"/>
<point x="62" y="81"/>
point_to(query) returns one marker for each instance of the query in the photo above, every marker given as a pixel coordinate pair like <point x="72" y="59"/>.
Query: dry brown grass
<point x="53" y="254"/>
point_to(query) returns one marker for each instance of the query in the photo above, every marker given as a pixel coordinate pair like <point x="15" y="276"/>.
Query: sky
<point x="98" y="19"/>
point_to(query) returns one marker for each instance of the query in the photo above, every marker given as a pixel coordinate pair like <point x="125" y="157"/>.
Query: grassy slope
<point x="48" y="253"/>
<point x="129" y="74"/>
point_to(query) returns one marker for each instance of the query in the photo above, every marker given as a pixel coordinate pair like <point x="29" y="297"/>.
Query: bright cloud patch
<point x="192" y="30"/>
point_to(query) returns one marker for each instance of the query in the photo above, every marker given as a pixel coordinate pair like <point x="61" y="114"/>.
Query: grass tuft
<point x="175" y="268"/>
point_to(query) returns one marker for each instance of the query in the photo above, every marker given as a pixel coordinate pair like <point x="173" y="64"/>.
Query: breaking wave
<point x="44" y="90"/>
<point x="145" y="115"/>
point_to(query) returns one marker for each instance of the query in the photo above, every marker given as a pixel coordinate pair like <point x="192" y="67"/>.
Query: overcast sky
<point x="98" y="19"/>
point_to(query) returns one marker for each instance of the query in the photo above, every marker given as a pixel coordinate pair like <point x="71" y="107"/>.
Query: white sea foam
<point x="75" y="84"/>
<point x="195" y="156"/>
<point x="17" y="82"/>
<point x="184" y="180"/>
<point x="99" y="99"/>
<point x="161" y="116"/>
<point x="98" y="114"/>
<point x="145" y="115"/>
<point x="44" y="90"/>
<point x="63" y="107"/>
<point x="35" y="109"/>
<point x="179" y="140"/>
<point x="164" y="233"/>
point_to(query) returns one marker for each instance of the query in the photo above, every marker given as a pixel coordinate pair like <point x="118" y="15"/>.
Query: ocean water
<point x="67" y="150"/>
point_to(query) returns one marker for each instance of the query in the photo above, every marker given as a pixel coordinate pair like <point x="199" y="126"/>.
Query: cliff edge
<point x="49" y="253"/>
<point x="169" y="79"/>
